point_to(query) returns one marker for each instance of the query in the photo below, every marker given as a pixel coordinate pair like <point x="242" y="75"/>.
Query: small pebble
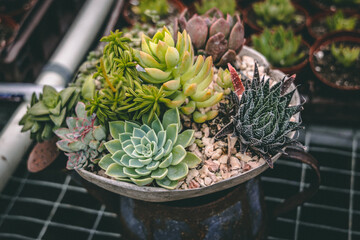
<point x="234" y="163"/>
<point x="224" y="159"/>
<point x="217" y="154"/>
<point x="207" y="181"/>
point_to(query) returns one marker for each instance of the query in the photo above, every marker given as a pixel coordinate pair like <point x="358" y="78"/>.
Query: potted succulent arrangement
<point x="329" y="22"/>
<point x="283" y="49"/>
<point x="151" y="11"/>
<point x="334" y="58"/>
<point x="271" y="13"/>
<point x="160" y="123"/>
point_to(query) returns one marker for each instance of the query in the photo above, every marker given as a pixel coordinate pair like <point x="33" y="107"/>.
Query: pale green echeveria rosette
<point x="144" y="153"/>
<point x="171" y="66"/>
<point x="82" y="140"/>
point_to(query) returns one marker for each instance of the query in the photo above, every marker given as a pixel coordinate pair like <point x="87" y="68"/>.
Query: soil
<point x="320" y="28"/>
<point x="326" y="65"/>
<point x="252" y="17"/>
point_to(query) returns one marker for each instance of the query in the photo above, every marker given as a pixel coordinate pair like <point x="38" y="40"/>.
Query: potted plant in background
<point x="151" y="11"/>
<point x="226" y="7"/>
<point x="270" y="13"/>
<point x="156" y="124"/>
<point x="329" y="22"/>
<point x="334" y="58"/>
<point x="284" y="50"/>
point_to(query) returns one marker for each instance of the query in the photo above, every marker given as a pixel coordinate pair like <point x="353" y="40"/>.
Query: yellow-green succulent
<point x="172" y="66"/>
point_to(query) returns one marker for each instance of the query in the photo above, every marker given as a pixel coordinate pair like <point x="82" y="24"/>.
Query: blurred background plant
<point x="345" y="56"/>
<point x="281" y="47"/>
<point x="338" y="22"/>
<point x="225" y="6"/>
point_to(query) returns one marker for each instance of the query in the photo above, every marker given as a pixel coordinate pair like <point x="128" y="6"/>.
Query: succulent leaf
<point x="262" y="120"/>
<point x="149" y="151"/>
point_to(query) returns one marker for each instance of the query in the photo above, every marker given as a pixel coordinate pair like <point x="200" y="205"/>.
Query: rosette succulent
<point x="339" y="22"/>
<point x="48" y="112"/>
<point x="213" y="35"/>
<point x="144" y="153"/>
<point x="83" y="140"/>
<point x="171" y="66"/>
<point x="345" y="56"/>
<point x="271" y="12"/>
<point x="282" y="48"/>
<point x="262" y="121"/>
<point x="225" y="6"/>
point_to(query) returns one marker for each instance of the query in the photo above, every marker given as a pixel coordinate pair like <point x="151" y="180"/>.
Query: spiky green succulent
<point x="282" y="48"/>
<point x="171" y="66"/>
<point x="214" y="35"/>
<point x="82" y="140"/>
<point x="262" y="121"/>
<point x="339" y="22"/>
<point x="226" y="6"/>
<point x="346" y="56"/>
<point x="48" y="112"/>
<point x="274" y="12"/>
<point x="144" y="153"/>
<point x="116" y="73"/>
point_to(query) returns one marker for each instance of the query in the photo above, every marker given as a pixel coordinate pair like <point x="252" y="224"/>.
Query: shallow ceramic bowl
<point x="157" y="194"/>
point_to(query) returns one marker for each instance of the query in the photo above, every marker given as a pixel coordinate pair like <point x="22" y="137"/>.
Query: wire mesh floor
<point x="50" y="205"/>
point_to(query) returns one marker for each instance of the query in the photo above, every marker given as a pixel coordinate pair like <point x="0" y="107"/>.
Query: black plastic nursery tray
<point x="50" y="205"/>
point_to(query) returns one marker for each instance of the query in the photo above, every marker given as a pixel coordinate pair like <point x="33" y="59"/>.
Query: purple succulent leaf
<point x="220" y="25"/>
<point x="77" y="145"/>
<point x="63" y="145"/>
<point x="230" y="20"/>
<point x="198" y="31"/>
<point x="62" y="132"/>
<point x="236" y="39"/>
<point x="86" y="138"/>
<point x="216" y="46"/>
<point x="71" y="123"/>
<point x="228" y="57"/>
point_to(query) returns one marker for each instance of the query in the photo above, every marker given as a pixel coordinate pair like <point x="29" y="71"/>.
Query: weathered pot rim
<point x="157" y="194"/>
<point x="347" y="36"/>
<point x="257" y="28"/>
<point x="321" y="15"/>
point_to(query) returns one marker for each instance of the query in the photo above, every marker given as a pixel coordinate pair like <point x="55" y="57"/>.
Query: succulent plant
<point x="171" y="66"/>
<point x="116" y="73"/>
<point x="144" y="153"/>
<point x="223" y="81"/>
<point x="339" y="22"/>
<point x="82" y="140"/>
<point x="274" y="12"/>
<point x="262" y="120"/>
<point x="213" y="35"/>
<point x="151" y="9"/>
<point x="346" y="56"/>
<point x="226" y="7"/>
<point x="47" y="113"/>
<point x="279" y="46"/>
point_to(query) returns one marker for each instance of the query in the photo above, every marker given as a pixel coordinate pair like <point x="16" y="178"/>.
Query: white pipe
<point x="69" y="54"/>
